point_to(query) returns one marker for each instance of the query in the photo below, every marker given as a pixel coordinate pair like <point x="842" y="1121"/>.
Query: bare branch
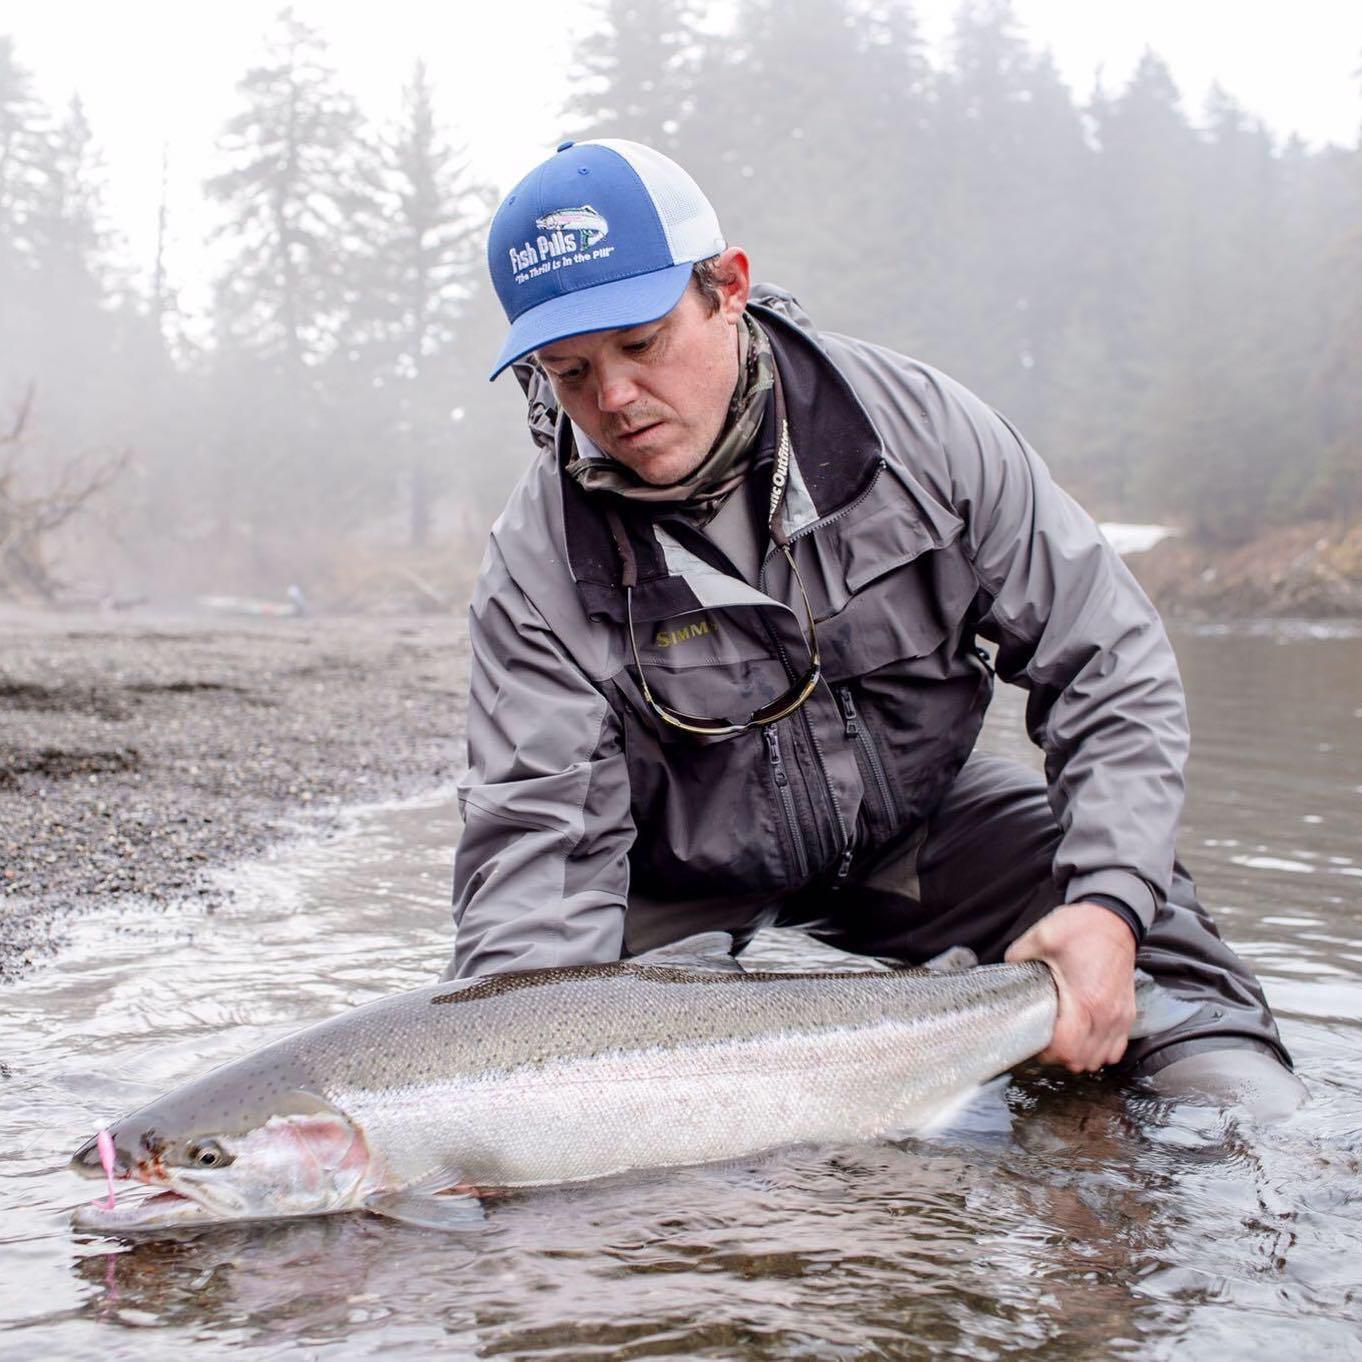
<point x="26" y="521"/>
<point x="21" y="415"/>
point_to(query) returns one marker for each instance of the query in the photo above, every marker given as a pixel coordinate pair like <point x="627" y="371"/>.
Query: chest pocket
<point x="721" y="662"/>
<point x="889" y="589"/>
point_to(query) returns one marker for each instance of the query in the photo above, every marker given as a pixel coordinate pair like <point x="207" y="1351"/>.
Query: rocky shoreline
<point x="137" y="754"/>
<point x="1308" y="571"/>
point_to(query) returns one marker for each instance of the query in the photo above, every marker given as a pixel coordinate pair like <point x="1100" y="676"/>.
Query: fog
<point x="262" y="363"/>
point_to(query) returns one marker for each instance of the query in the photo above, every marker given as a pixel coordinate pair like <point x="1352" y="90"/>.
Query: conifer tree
<point x="1168" y="306"/>
<point x="24" y="128"/>
<point x="889" y="239"/>
<point x="1331" y="482"/>
<point x="634" y="73"/>
<point x="67" y="228"/>
<point x="422" y="268"/>
<point x="85" y="318"/>
<point x="1144" y="225"/>
<point x="289" y="475"/>
<point x="1006" y="209"/>
<point x="290" y="194"/>
<point x="1252" y="343"/>
<point x="789" y="136"/>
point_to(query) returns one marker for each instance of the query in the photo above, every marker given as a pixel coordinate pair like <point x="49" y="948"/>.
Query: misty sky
<point x="156" y="72"/>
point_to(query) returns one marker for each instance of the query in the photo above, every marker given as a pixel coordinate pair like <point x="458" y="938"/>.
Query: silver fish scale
<point x="509" y="1022"/>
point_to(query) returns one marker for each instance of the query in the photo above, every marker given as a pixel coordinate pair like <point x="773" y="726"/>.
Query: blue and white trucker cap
<point x="601" y="235"/>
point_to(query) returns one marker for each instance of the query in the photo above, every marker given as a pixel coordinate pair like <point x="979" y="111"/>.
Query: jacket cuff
<point x="1122" y="910"/>
<point x="1124" y="886"/>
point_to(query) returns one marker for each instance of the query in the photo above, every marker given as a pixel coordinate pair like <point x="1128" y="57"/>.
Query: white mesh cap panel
<point x="688" y="219"/>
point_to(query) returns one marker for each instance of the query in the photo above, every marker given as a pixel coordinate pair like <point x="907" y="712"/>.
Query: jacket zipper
<point x="848" y="834"/>
<point x="860" y="734"/>
<point x="773" y="743"/>
<point x="782" y="780"/>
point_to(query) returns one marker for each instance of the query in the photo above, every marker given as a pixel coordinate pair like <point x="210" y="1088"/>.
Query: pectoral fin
<point x="429" y="1210"/>
<point x="979" y="1111"/>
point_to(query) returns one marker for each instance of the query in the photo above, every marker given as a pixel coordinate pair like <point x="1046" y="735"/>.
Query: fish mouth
<point x="162" y="1208"/>
<point x="141" y="1195"/>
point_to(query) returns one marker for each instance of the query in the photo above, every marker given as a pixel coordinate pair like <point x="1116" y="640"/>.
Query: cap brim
<point x="605" y="307"/>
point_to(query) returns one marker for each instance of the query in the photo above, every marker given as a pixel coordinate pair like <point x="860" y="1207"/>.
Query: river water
<point x="1076" y="1221"/>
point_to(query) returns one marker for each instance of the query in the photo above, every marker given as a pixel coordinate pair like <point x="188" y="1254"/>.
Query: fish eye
<point x="208" y="1154"/>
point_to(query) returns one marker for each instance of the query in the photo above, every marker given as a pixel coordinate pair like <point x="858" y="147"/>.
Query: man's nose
<point x="615" y="390"/>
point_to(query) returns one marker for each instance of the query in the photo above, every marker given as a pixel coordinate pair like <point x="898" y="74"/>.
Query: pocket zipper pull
<point x="773" y="747"/>
<point x="848" y="711"/>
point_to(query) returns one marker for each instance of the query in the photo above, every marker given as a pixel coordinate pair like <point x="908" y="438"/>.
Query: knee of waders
<point x="1225" y="1071"/>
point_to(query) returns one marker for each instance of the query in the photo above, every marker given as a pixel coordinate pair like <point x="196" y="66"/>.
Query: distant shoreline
<point x="1306" y="571"/>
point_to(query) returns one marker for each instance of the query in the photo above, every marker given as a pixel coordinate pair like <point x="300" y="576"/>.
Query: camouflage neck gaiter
<point x="728" y="462"/>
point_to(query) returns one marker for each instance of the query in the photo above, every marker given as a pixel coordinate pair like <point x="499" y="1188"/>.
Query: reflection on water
<point x="1067" y="1219"/>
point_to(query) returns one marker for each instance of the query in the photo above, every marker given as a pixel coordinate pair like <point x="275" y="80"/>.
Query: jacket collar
<point x="836" y="454"/>
<point x="836" y="448"/>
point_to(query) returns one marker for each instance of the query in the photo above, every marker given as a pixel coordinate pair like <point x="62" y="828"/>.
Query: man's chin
<point x="661" y="467"/>
<point x="660" y="477"/>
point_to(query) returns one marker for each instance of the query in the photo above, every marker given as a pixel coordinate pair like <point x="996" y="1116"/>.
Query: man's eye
<point x="570" y="376"/>
<point x="638" y="347"/>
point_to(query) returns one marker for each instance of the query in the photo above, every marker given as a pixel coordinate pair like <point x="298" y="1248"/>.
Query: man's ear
<point x="733" y="275"/>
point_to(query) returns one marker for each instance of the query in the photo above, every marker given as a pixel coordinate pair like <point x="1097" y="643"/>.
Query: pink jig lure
<point x="104" y="1143"/>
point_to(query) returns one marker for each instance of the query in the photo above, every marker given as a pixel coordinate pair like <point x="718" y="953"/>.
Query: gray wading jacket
<point x="919" y="519"/>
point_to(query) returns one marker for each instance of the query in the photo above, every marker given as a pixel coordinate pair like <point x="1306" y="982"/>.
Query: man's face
<point x="654" y="397"/>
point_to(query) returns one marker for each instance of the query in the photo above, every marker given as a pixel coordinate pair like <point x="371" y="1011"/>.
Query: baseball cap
<point x="599" y="236"/>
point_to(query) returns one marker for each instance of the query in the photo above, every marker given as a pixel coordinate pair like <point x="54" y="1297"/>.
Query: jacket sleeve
<point x="541" y="873"/>
<point x="1074" y="628"/>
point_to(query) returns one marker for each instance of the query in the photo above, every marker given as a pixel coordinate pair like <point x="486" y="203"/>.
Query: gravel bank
<point x="136" y="754"/>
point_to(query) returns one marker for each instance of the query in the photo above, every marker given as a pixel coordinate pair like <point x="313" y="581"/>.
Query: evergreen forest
<point x="1166" y="301"/>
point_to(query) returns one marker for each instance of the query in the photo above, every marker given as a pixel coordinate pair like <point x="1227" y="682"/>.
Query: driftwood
<point x="432" y="594"/>
<point x="25" y="521"/>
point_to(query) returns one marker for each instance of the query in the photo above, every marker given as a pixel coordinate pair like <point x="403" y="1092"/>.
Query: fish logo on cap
<point x="584" y="219"/>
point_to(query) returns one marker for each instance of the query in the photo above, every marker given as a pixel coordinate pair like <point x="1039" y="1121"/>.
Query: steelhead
<point x="675" y="1057"/>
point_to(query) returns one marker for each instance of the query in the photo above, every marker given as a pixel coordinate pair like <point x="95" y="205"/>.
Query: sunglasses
<point x="779" y="708"/>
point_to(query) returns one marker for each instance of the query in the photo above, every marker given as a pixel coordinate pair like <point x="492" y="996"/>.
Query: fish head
<point x="211" y="1162"/>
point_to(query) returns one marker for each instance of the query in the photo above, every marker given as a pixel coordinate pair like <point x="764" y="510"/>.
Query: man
<point x="725" y="670"/>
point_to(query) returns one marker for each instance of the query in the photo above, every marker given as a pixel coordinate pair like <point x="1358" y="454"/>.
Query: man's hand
<point x="1092" y="954"/>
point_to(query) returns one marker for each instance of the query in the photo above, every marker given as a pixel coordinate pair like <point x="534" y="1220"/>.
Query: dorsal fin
<point x="705" y="950"/>
<point x="952" y="960"/>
